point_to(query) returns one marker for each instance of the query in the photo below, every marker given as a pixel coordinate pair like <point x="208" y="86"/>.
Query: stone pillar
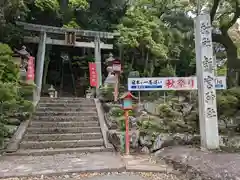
<point x="40" y="62"/>
<point x="206" y="82"/>
<point x="97" y="53"/>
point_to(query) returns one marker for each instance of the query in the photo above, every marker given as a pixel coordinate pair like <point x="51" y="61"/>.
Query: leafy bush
<point x="228" y="104"/>
<point x="106" y="93"/>
<point x="117" y="112"/>
<point x="12" y="101"/>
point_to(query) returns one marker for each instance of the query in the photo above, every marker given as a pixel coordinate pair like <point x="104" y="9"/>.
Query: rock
<point x="181" y="98"/>
<point x="146" y="140"/>
<point x="186" y="108"/>
<point x="4" y="143"/>
<point x="195" y="140"/>
<point x="222" y="141"/>
<point x="114" y="139"/>
<point x="233" y="142"/>
<point x="66" y="176"/>
<point x="14" y="121"/>
<point x="134" y="138"/>
<point x="166" y="140"/>
<point x="145" y="150"/>
<point x="11" y="129"/>
<point x="113" y="125"/>
<point x="157" y="143"/>
<point x="133" y="122"/>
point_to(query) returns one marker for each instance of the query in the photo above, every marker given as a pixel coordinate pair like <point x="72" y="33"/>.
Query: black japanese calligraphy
<point x="205" y="28"/>
<point x="211" y="112"/>
<point x="155" y="82"/>
<point x="207" y="64"/>
<point x="206" y="42"/>
<point x="209" y="82"/>
<point x="210" y="97"/>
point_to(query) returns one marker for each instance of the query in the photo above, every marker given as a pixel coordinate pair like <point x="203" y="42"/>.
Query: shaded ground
<point x="69" y="166"/>
<point x="208" y="165"/>
<point x="108" y="176"/>
<point x="14" y="166"/>
<point x="196" y="164"/>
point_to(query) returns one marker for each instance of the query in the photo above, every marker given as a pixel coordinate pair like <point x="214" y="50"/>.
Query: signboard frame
<point x="164" y="83"/>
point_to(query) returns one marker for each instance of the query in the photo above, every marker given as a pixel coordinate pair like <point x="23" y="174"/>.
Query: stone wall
<point x="149" y="143"/>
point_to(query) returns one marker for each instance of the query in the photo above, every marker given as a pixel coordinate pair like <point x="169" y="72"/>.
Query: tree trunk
<point x="146" y="64"/>
<point x="152" y="67"/>
<point x="233" y="63"/>
<point x="131" y="56"/>
<point x="232" y="68"/>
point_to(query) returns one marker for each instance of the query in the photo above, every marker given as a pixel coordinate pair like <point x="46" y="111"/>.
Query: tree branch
<point x="214" y="9"/>
<point x="225" y="28"/>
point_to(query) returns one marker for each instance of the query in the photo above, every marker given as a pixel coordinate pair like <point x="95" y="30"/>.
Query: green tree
<point x="12" y="103"/>
<point x="156" y="37"/>
<point x="224" y="15"/>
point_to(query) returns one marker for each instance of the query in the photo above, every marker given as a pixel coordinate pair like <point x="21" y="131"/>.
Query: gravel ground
<point x="107" y="176"/>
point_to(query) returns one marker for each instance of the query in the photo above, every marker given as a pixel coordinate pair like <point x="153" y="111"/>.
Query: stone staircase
<point x="63" y="125"/>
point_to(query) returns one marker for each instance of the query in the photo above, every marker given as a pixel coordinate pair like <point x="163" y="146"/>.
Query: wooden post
<point x="127" y="105"/>
<point x="127" y="140"/>
<point x="116" y="88"/>
<point x="40" y="62"/>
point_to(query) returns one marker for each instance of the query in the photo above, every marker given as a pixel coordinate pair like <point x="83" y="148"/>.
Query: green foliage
<point x="117" y="112"/>
<point x="139" y="29"/>
<point x="78" y="4"/>
<point x="48" y="5"/>
<point x="12" y="103"/>
<point x="157" y="36"/>
<point x="106" y="93"/>
<point x="227" y="105"/>
<point x="222" y="71"/>
<point x="72" y="24"/>
<point x="168" y="71"/>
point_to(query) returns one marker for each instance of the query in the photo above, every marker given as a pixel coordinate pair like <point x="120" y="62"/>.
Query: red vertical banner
<point x="30" y="69"/>
<point x="93" y="74"/>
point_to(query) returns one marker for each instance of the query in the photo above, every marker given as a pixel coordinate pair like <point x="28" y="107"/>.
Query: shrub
<point x="12" y="102"/>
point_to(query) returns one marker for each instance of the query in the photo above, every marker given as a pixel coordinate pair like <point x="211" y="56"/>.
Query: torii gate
<point x="70" y="35"/>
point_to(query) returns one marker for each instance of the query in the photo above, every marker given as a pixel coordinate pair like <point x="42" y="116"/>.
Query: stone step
<point x="32" y="130"/>
<point x="60" y="144"/>
<point x="65" y="113"/>
<point x="66" y="118"/>
<point x="47" y="152"/>
<point x="67" y="100"/>
<point x="78" y="105"/>
<point x="58" y="137"/>
<point x="61" y="109"/>
<point x="45" y="124"/>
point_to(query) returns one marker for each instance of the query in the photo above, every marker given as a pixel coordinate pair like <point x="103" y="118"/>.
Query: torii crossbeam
<point x="43" y="39"/>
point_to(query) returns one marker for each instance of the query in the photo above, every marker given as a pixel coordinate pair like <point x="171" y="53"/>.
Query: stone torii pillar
<point x="40" y="63"/>
<point x="97" y="53"/>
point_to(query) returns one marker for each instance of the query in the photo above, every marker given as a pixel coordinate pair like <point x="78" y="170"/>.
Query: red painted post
<point x="127" y="105"/>
<point x="127" y="140"/>
<point x="116" y="88"/>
